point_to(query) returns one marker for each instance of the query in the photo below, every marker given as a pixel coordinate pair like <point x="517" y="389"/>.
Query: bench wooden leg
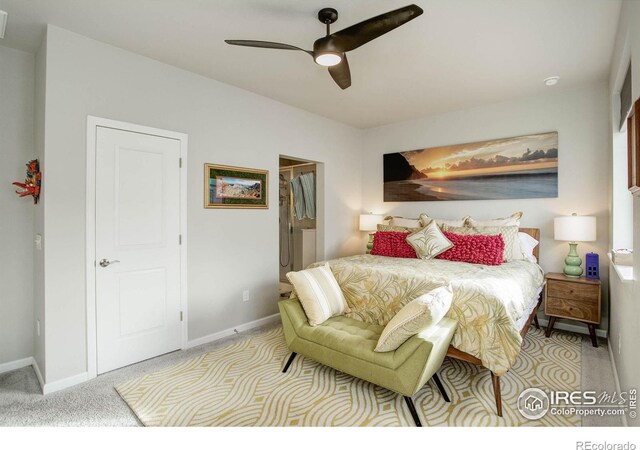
<point x="535" y="322"/>
<point x="289" y="361"/>
<point x="495" y="380"/>
<point x="441" y="388"/>
<point x="412" y="410"/>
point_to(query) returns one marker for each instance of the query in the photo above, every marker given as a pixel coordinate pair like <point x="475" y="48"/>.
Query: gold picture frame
<point x="235" y="187"/>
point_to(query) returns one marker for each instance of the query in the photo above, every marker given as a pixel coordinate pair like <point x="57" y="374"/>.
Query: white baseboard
<point x="15" y="365"/>
<point x="232" y="331"/>
<point x="616" y="380"/>
<point x="36" y="369"/>
<point x="573" y="328"/>
<point x="65" y="383"/>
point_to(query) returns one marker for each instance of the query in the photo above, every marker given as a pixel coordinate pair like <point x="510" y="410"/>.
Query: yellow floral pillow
<point x="415" y="317"/>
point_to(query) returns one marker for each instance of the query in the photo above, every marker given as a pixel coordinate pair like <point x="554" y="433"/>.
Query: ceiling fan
<point x="330" y="51"/>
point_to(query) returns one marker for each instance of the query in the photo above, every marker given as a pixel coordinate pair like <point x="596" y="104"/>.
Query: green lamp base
<point x="573" y="262"/>
<point x="370" y="243"/>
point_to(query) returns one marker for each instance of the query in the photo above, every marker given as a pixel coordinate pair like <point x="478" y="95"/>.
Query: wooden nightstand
<point x="572" y="298"/>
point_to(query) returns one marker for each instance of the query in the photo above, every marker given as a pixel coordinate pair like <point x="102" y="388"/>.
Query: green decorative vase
<point x="370" y="243"/>
<point x="573" y="262"/>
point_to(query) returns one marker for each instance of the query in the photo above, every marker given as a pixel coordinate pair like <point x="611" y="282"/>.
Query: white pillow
<point x="319" y="294"/>
<point x="527" y="245"/>
<point x="511" y="221"/>
<point x="426" y="220"/>
<point x="415" y="317"/>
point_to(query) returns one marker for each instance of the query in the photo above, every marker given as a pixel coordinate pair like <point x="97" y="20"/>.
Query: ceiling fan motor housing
<point x="325" y="45"/>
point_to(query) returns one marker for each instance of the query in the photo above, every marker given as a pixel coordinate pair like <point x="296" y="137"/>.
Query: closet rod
<point x="297" y="165"/>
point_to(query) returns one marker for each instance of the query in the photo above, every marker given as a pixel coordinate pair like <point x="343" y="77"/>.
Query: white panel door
<point x="137" y="247"/>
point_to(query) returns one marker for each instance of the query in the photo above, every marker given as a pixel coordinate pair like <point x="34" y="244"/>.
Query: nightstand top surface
<point x="562" y="277"/>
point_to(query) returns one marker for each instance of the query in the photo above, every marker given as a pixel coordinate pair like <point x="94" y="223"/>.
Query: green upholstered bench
<point x="347" y="345"/>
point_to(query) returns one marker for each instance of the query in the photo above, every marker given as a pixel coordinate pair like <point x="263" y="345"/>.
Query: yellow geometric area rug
<point x="243" y="385"/>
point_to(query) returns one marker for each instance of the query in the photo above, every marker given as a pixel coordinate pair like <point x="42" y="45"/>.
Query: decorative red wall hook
<point x="32" y="182"/>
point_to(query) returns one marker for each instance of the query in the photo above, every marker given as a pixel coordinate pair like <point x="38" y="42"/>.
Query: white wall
<point x="16" y="214"/>
<point x="39" y="342"/>
<point x="581" y="119"/>
<point x="229" y="250"/>
<point x="625" y="297"/>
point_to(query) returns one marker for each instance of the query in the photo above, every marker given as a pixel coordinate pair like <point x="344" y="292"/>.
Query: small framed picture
<point x="633" y="149"/>
<point x="235" y="187"/>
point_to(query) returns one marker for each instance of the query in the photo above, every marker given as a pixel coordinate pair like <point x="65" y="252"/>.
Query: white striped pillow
<point x="319" y="293"/>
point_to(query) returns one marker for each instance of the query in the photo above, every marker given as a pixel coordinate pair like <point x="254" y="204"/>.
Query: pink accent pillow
<point x="475" y="249"/>
<point x="392" y="243"/>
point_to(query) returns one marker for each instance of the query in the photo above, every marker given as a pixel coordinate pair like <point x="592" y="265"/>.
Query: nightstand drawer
<point x="570" y="290"/>
<point x="585" y="310"/>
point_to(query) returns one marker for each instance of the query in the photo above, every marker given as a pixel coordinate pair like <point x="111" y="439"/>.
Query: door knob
<point x="106" y="262"/>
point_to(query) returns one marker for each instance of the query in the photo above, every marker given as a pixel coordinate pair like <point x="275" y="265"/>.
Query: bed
<point x="494" y="305"/>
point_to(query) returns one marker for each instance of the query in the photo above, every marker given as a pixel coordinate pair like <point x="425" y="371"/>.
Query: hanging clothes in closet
<point x="304" y="196"/>
<point x="307" y="180"/>
<point x="298" y="198"/>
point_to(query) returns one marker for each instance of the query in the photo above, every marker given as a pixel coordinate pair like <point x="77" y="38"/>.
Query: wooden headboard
<point x="534" y="233"/>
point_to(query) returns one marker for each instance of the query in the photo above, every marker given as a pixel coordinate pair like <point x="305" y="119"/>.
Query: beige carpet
<point x="242" y="385"/>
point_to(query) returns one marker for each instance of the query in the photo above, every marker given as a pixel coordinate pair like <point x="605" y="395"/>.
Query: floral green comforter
<point x="487" y="300"/>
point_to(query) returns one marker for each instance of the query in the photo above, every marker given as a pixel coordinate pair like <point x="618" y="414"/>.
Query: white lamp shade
<point x="369" y="222"/>
<point x="574" y="228"/>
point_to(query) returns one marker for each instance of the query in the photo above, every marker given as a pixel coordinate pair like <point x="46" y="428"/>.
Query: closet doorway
<point x="299" y="217"/>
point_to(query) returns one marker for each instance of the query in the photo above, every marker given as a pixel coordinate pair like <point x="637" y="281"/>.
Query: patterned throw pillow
<point x="382" y="227"/>
<point x="415" y="317"/>
<point x="426" y="220"/>
<point x="475" y="249"/>
<point x="403" y="222"/>
<point x="319" y="294"/>
<point x="429" y="242"/>
<point x="509" y="235"/>
<point x="392" y="243"/>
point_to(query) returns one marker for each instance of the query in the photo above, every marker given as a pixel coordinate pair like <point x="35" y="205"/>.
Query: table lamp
<point x="369" y="222"/>
<point x="574" y="228"/>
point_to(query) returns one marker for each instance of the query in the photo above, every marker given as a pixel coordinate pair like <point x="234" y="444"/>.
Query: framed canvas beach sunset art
<point x="235" y="187"/>
<point x="517" y="167"/>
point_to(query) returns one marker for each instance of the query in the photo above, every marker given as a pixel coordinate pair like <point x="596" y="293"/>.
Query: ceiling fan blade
<point x="359" y="34"/>
<point x="266" y="44"/>
<point x="341" y="73"/>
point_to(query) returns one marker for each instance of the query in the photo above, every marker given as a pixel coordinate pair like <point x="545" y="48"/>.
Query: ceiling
<point x="457" y="55"/>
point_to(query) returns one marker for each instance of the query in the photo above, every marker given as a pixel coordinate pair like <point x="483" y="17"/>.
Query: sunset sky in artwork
<point x="487" y="158"/>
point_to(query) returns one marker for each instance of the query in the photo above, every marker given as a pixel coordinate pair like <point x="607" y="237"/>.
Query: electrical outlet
<point x="38" y="327"/>
<point x="38" y="241"/>
<point x="245" y="295"/>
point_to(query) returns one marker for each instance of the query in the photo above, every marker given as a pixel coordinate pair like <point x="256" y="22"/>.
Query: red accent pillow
<point x="392" y="243"/>
<point x="475" y="249"/>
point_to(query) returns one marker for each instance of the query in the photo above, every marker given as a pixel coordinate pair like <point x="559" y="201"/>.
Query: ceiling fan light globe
<point x="328" y="59"/>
